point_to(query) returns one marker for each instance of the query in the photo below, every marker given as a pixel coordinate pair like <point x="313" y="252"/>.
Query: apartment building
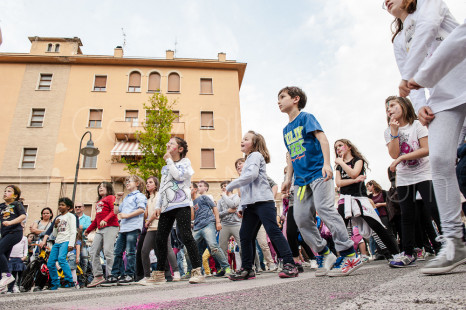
<point x="52" y="95"/>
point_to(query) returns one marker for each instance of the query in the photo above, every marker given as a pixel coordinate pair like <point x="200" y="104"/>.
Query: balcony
<point x="127" y="130"/>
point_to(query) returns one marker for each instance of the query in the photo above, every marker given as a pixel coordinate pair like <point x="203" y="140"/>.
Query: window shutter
<point x="173" y="82"/>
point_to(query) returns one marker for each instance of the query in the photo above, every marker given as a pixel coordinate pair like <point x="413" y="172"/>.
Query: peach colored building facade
<point x="51" y="96"/>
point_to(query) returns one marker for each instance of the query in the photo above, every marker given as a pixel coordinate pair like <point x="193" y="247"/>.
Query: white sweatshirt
<point x="66" y="230"/>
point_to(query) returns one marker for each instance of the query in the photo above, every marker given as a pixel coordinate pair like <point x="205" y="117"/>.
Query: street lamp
<point x="89" y="151"/>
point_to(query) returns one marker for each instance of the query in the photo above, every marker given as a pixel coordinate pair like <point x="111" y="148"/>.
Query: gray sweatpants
<point x="319" y="196"/>
<point x="225" y="234"/>
<point x="444" y="132"/>
<point x="104" y="239"/>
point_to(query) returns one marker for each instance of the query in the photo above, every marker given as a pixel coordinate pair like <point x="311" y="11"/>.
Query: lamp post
<point x="89" y="151"/>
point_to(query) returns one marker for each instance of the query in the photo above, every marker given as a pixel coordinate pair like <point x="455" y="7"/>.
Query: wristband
<point x="393" y="137"/>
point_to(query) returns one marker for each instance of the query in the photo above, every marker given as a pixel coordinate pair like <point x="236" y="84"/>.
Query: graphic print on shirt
<point x="62" y="225"/>
<point x="406" y="148"/>
<point x="7" y="212"/>
<point x="294" y="143"/>
<point x="170" y="191"/>
<point x="99" y="207"/>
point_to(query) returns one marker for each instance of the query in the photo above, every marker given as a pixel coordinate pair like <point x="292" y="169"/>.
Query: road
<point x="374" y="286"/>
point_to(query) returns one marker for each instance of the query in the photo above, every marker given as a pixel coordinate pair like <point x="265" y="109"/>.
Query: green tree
<point x="154" y="137"/>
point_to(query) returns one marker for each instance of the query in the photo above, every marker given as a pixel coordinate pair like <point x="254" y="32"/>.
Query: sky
<point x="338" y="51"/>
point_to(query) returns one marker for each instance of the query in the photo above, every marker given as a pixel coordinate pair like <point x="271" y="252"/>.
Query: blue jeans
<point x="179" y="260"/>
<point x="126" y="241"/>
<point x="209" y="235"/>
<point x="58" y="253"/>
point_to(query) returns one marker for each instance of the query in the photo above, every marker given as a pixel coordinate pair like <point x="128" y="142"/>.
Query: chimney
<point x="222" y="57"/>
<point x="170" y="54"/>
<point x="118" y="52"/>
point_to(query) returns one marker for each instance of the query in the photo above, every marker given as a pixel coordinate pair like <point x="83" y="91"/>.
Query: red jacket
<point x="104" y="211"/>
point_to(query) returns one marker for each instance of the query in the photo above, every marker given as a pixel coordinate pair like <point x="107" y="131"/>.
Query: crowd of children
<point x="159" y="228"/>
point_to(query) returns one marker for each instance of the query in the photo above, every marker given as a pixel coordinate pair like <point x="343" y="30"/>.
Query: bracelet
<point x="393" y="137"/>
<point x="116" y="204"/>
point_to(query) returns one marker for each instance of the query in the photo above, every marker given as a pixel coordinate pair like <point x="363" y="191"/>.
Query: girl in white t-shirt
<point x="420" y="27"/>
<point x="407" y="143"/>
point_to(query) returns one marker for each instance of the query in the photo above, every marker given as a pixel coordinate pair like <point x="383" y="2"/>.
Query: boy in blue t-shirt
<point x="309" y="157"/>
<point x="206" y="224"/>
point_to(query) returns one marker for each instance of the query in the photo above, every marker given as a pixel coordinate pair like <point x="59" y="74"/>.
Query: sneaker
<point x="158" y="277"/>
<point x="96" y="281"/>
<point x="111" y="281"/>
<point x="197" y="276"/>
<point x="451" y="255"/>
<point x="280" y="265"/>
<point x="289" y="271"/>
<point x="306" y="264"/>
<point x="186" y="277"/>
<point x="300" y="267"/>
<point x="325" y="263"/>
<point x="176" y="276"/>
<point x="223" y="272"/>
<point x="69" y="285"/>
<point x="314" y="265"/>
<point x="421" y="254"/>
<point x="273" y="267"/>
<point x="146" y="281"/>
<point x="16" y="289"/>
<point x="53" y="288"/>
<point x="402" y="260"/>
<point x="364" y="258"/>
<point x="37" y="289"/>
<point x="242" y="274"/>
<point x="5" y="281"/>
<point x="125" y="280"/>
<point x="345" y="265"/>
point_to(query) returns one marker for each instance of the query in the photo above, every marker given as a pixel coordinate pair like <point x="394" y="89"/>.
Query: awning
<point x="126" y="148"/>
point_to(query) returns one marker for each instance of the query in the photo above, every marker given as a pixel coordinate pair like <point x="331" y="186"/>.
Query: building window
<point x="154" y="83"/>
<point x="89" y="162"/>
<point x="95" y="118"/>
<point x="100" y="83"/>
<point x="174" y="83"/>
<point x="207" y="120"/>
<point x="132" y="116"/>
<point x="29" y="158"/>
<point x="134" y="85"/>
<point x="45" y="81"/>
<point x="177" y="119"/>
<point x="26" y="207"/>
<point x="49" y="47"/>
<point x="37" y="118"/>
<point x="206" y="86"/>
<point x="207" y="158"/>
<point x="57" y="48"/>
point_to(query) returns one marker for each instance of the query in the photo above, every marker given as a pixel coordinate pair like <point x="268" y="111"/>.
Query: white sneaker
<point x="5" y="281"/>
<point x="197" y="276"/>
<point x="314" y="264"/>
<point x="146" y="281"/>
<point x="272" y="267"/>
<point x="16" y="289"/>
<point x="451" y="255"/>
<point x="176" y="276"/>
<point x="325" y="263"/>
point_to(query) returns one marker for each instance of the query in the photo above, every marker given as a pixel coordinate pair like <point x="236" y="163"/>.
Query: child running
<point x="257" y="205"/>
<point x="174" y="203"/>
<point x="407" y="143"/>
<point x="354" y="204"/>
<point x="420" y="27"/>
<point x="11" y="215"/>
<point x="309" y="159"/>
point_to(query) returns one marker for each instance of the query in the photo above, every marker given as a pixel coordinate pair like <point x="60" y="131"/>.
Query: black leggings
<point x="183" y="220"/>
<point x="383" y="236"/>
<point x="407" y="197"/>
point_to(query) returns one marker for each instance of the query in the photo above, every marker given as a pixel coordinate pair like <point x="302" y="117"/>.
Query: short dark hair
<point x="194" y="184"/>
<point x="295" y="91"/>
<point x="66" y="201"/>
<point x="16" y="191"/>
<point x="224" y="183"/>
<point x="205" y="183"/>
<point x="239" y="160"/>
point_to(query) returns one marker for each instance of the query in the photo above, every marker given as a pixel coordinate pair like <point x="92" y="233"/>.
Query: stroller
<point x="36" y="273"/>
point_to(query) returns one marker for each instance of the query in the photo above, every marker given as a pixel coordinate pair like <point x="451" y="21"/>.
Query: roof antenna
<point x="124" y="37"/>
<point x="176" y="44"/>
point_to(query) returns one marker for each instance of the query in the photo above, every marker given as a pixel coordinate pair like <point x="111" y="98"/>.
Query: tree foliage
<point x="153" y="139"/>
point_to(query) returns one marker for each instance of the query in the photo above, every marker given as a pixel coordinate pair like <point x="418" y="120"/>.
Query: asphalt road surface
<point x="374" y="286"/>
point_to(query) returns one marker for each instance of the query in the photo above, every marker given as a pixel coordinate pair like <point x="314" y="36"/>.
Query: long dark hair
<point x="108" y="186"/>
<point x="157" y="184"/>
<point x="354" y="151"/>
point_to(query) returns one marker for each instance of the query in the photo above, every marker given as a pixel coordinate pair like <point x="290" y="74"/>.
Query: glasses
<point x="78" y="207"/>
<point x="129" y="181"/>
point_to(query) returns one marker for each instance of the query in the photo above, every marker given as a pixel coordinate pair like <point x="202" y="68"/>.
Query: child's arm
<point x="192" y="214"/>
<point x="423" y="151"/>
<point x="352" y="172"/>
<point x="249" y="174"/>
<point x="17" y="220"/>
<point x="289" y="175"/>
<point x="78" y="253"/>
<point x="73" y="231"/>
<point x="181" y="172"/>
<point x="218" y="225"/>
<point x="324" y="145"/>
<point x="132" y="214"/>
<point x="141" y="205"/>
<point x="342" y="183"/>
